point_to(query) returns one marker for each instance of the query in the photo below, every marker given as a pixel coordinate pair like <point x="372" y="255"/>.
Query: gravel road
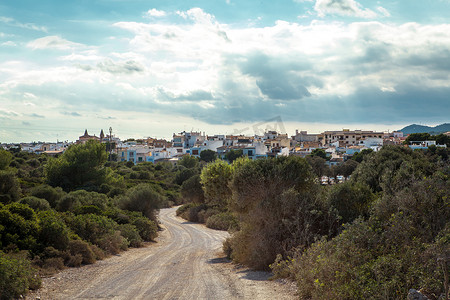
<point x="186" y="263"/>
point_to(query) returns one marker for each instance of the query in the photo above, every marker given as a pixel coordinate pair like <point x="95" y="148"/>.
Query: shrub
<point x="192" y="191"/>
<point x="51" y="194"/>
<point x="142" y="198"/>
<point x="131" y="233"/>
<point x="148" y="230"/>
<point x="35" y="203"/>
<point x="222" y="221"/>
<point x="18" y="226"/>
<point x="9" y="187"/>
<point x="53" y="230"/>
<point x="16" y="277"/>
<point x="82" y="249"/>
<point x="73" y="200"/>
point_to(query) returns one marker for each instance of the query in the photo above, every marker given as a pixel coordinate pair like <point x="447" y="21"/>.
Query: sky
<point x="154" y="68"/>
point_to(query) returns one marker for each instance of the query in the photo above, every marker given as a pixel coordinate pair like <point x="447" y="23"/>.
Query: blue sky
<point x="152" y="68"/>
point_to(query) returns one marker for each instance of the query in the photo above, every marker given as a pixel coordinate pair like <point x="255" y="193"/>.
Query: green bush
<point x="147" y="229"/>
<point x="16" y="277"/>
<point x="18" y="226"/>
<point x="142" y="198"/>
<point x="9" y="187"/>
<point x="74" y="200"/>
<point x="131" y="233"/>
<point x="222" y="221"/>
<point x="35" y="203"/>
<point x="82" y="248"/>
<point x="51" y="194"/>
<point x="53" y="230"/>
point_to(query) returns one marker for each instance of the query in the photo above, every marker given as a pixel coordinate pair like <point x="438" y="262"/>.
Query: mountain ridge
<point x="415" y="128"/>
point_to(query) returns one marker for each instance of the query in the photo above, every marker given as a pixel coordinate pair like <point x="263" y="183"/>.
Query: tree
<point x="232" y="155"/>
<point x="208" y="155"/>
<point x="215" y="178"/>
<point x="192" y="191"/>
<point x="360" y="156"/>
<point x="320" y="153"/>
<point x="318" y="165"/>
<point x="188" y="161"/>
<point x="9" y="187"/>
<point x="142" y="198"/>
<point x="80" y="166"/>
<point x="5" y="159"/>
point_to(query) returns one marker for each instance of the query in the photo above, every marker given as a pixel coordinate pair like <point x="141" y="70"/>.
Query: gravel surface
<point x="185" y="263"/>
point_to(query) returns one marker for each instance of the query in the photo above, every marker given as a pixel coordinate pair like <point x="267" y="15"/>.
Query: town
<point x="337" y="146"/>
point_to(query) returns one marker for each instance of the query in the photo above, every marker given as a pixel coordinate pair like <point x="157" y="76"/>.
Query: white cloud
<point x="343" y="8"/>
<point x="53" y="42"/>
<point x="9" y="44"/>
<point x="220" y="73"/>
<point x="30" y="26"/>
<point x="384" y="11"/>
<point x="155" y="13"/>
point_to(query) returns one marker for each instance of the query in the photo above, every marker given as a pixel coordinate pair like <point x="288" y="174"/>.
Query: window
<point x="250" y="153"/>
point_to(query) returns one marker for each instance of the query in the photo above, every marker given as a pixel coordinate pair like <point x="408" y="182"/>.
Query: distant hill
<point x="414" y="128"/>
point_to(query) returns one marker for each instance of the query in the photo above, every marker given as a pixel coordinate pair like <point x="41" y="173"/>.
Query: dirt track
<point x="186" y="263"/>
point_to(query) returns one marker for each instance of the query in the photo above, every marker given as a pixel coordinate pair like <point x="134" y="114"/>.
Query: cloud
<point x="34" y="115"/>
<point x="126" y="67"/>
<point x="343" y="8"/>
<point x="72" y="114"/>
<point x="318" y="72"/>
<point x="53" y="42"/>
<point x="155" y="13"/>
<point x="29" y="26"/>
<point x="9" y="44"/>
<point x="384" y="11"/>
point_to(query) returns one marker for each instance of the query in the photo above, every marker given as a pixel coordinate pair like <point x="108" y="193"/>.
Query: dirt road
<point x="186" y="263"/>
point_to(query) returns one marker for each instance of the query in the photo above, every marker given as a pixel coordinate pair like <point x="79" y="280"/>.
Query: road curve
<point x="184" y="264"/>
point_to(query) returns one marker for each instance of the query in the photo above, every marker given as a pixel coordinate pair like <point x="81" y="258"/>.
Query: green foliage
<point x="80" y="166"/>
<point x="208" y="155"/>
<point x="9" y="187"/>
<point x="320" y="153"/>
<point x="5" y="159"/>
<point x="183" y="175"/>
<point x="222" y="221"/>
<point x="278" y="209"/>
<point x="51" y="194"/>
<point x="350" y="200"/>
<point x="363" y="154"/>
<point x="188" y="161"/>
<point x="17" y="276"/>
<point x="392" y="168"/>
<point x="346" y="169"/>
<point x="35" y="203"/>
<point x="215" y="178"/>
<point x="441" y="139"/>
<point x="142" y="198"/>
<point x="318" y="165"/>
<point x="395" y="248"/>
<point x="101" y="231"/>
<point x="192" y="191"/>
<point x="131" y="233"/>
<point x="18" y="226"/>
<point x="74" y="200"/>
<point x="53" y="230"/>
<point x="232" y="155"/>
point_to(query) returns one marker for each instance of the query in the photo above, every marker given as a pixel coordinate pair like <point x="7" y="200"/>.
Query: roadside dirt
<point x="185" y="263"/>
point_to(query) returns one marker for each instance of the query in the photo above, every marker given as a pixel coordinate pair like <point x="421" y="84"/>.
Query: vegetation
<point x="374" y="236"/>
<point x="73" y="210"/>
